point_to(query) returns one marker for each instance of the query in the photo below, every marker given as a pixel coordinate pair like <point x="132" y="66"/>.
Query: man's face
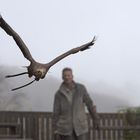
<point x="68" y="77"/>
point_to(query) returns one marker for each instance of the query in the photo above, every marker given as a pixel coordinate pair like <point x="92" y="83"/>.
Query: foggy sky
<point x="50" y="27"/>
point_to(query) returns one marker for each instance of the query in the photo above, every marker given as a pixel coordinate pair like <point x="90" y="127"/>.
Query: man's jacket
<point x="72" y="116"/>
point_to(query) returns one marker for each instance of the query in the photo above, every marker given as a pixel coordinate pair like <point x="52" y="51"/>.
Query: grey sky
<point x="51" y="27"/>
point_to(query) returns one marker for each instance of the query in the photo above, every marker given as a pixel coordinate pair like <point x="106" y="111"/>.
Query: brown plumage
<point x="36" y="69"/>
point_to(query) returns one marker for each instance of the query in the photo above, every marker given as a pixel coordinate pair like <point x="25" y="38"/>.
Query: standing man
<point x="69" y="116"/>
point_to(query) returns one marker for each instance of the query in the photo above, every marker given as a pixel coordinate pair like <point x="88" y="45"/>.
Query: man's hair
<point x="66" y="69"/>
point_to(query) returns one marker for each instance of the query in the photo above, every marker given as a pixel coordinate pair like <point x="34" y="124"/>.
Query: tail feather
<point x="23" y="85"/>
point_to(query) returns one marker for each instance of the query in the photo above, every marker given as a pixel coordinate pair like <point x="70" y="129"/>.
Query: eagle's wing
<point x="72" y="51"/>
<point x="17" y="39"/>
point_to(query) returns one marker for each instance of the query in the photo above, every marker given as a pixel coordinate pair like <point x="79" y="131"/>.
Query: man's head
<point x="67" y="75"/>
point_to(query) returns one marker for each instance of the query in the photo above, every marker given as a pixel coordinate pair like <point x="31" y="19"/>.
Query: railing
<point x="38" y="125"/>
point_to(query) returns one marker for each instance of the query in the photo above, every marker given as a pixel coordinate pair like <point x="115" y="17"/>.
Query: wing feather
<point x="17" y="39"/>
<point x="72" y="51"/>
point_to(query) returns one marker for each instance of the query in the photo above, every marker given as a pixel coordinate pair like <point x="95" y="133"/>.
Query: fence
<point x="38" y="125"/>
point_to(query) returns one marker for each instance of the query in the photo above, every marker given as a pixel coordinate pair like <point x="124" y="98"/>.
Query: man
<point x="69" y="116"/>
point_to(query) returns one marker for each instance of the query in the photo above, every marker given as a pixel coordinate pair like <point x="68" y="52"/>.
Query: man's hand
<point x="96" y="125"/>
<point x="57" y="137"/>
<point x="95" y="119"/>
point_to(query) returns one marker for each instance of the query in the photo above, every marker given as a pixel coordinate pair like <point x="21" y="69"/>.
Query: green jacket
<point x="68" y="117"/>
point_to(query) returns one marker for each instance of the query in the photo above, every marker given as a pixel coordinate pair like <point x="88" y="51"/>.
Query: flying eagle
<point x="37" y="69"/>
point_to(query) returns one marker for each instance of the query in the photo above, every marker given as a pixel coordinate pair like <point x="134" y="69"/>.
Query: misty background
<point x="40" y="95"/>
<point x="110" y="69"/>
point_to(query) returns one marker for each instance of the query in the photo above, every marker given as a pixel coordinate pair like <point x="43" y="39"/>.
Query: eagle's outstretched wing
<point x="17" y="39"/>
<point x="72" y="51"/>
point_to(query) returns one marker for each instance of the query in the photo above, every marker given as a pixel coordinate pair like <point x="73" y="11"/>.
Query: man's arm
<point x="91" y="108"/>
<point x="56" y="111"/>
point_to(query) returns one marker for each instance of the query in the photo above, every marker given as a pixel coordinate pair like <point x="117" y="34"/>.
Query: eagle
<point x="36" y="69"/>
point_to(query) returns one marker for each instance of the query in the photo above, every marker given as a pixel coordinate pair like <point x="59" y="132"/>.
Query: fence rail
<point x="38" y="125"/>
